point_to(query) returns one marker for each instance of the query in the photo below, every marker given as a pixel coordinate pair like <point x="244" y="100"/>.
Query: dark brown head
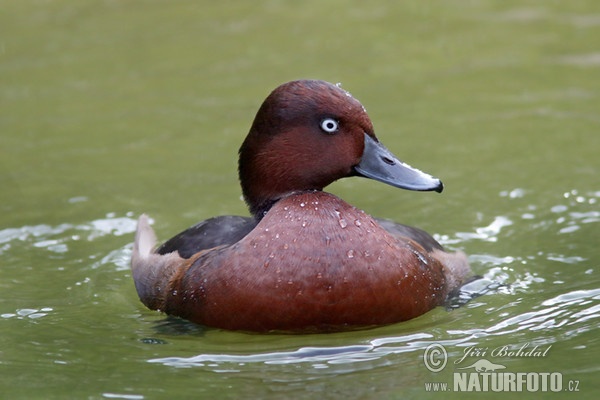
<point x="306" y="135"/>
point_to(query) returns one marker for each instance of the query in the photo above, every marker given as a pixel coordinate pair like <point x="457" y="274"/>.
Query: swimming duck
<point x="306" y="260"/>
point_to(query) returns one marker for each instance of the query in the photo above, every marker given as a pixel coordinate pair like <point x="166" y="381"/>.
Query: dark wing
<point x="213" y="232"/>
<point x="415" y="234"/>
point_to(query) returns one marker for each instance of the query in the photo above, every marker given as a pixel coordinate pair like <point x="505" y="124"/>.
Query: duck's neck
<point x="266" y="174"/>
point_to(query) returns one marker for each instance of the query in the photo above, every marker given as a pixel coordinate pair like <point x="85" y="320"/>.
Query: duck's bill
<point x="380" y="164"/>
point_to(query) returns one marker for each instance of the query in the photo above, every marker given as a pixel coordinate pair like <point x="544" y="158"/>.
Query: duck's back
<point x="218" y="231"/>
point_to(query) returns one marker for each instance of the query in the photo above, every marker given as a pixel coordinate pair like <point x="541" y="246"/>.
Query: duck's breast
<point x="313" y="261"/>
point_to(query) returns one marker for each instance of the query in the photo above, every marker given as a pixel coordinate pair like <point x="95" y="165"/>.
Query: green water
<point x="113" y="108"/>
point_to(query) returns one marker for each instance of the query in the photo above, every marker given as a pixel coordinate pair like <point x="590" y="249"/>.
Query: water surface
<point x="109" y="109"/>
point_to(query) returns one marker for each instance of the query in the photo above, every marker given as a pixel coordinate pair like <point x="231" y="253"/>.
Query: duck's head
<point x="308" y="134"/>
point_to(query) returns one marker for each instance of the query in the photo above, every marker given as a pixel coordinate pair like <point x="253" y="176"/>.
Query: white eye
<point x="329" y="125"/>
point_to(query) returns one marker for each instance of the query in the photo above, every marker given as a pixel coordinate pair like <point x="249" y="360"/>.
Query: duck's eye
<point x="329" y="125"/>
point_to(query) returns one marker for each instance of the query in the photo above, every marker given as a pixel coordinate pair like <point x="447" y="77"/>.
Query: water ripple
<point x="31" y="313"/>
<point x="568" y="309"/>
<point x="488" y="233"/>
<point x="57" y="238"/>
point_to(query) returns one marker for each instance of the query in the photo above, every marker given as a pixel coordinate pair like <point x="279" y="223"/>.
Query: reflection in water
<point x="552" y="322"/>
<point x="569" y="313"/>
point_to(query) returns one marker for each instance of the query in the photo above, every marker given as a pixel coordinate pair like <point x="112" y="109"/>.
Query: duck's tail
<point x="456" y="268"/>
<point x="151" y="272"/>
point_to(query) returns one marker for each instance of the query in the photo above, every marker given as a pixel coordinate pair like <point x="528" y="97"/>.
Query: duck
<point x="305" y="260"/>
